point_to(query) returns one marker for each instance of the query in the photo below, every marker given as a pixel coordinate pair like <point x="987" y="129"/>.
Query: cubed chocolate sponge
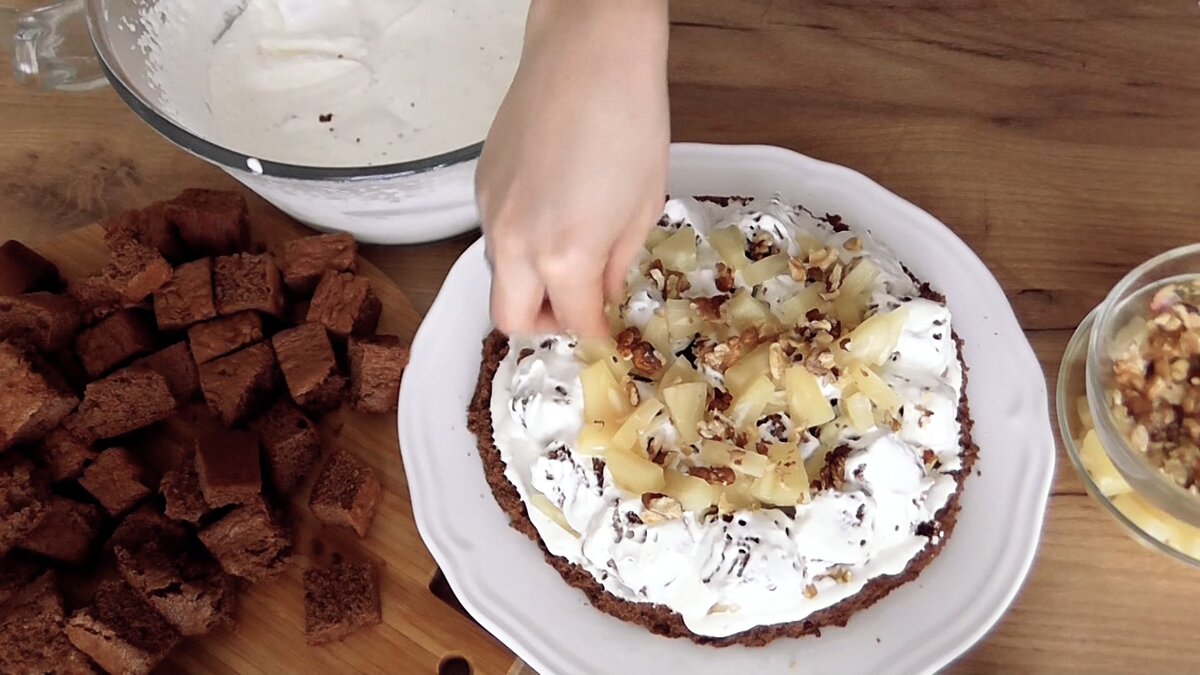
<point x="225" y="335"/>
<point x="97" y="299"/>
<point x="24" y="497"/>
<point x="191" y="592"/>
<point x="176" y="365"/>
<point x="66" y="533"/>
<point x="376" y="367"/>
<point x="291" y="445"/>
<point x="347" y="493"/>
<point x="63" y="454"/>
<point x="23" y="270"/>
<point x="32" y="639"/>
<point x="32" y="399"/>
<point x="239" y="385"/>
<point x="310" y="367"/>
<point x="248" y="282"/>
<point x="115" y="340"/>
<point x="148" y="226"/>
<point x="304" y="260"/>
<point x="181" y="492"/>
<point x="117" y="480"/>
<point x="125" y="401"/>
<point x="227" y="464"/>
<point x="135" y="270"/>
<point x="248" y="542"/>
<point x="120" y="632"/>
<point x="39" y="321"/>
<point x="144" y="525"/>
<point x="187" y="298"/>
<point x="210" y="222"/>
<point x="346" y="304"/>
<point x="339" y="600"/>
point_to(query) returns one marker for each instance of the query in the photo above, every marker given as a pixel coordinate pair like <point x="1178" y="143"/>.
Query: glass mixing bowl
<point x="410" y="202"/>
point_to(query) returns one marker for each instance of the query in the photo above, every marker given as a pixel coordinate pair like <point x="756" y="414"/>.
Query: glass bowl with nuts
<point x="1129" y="402"/>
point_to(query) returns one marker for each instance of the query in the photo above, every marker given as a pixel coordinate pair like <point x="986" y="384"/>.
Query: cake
<point x="775" y="439"/>
<point x="240" y="384"/>
<point x="244" y="282"/>
<point x="187" y="298"/>
<point x="339" y="600"/>
<point x="376" y="367"/>
<point x="210" y="222"/>
<point x="115" y="340"/>
<point x="346" y="304"/>
<point x="216" y="338"/>
<point x="227" y="466"/>
<point x="309" y="367"/>
<point x="304" y="260"/>
<point x="347" y="493"/>
<point x="291" y="445"/>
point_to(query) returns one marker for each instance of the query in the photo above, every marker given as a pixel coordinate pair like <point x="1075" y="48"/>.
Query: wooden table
<point x="1059" y="138"/>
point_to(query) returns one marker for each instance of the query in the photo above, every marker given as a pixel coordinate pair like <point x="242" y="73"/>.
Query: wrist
<point x="637" y="26"/>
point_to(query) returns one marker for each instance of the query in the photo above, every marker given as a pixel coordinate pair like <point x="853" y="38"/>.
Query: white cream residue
<point x="725" y="576"/>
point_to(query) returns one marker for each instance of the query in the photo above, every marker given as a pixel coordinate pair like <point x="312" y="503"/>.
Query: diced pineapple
<point x="603" y="349"/>
<point x="639" y="420"/>
<point x="874" y="388"/>
<point x="693" y="494"/>
<point x="783" y="452"/>
<point x="604" y="398"/>
<point x="857" y="408"/>
<point x="656" y="334"/>
<point x="633" y="473"/>
<point x="1152" y="521"/>
<point x="686" y="402"/>
<point x="816" y="461"/>
<point x="595" y="439"/>
<point x="552" y="512"/>
<point x="678" y="372"/>
<point x="1085" y="413"/>
<point x="750" y="463"/>
<point x="861" y="279"/>
<point x="874" y="340"/>
<point x="741" y="375"/>
<point x="1104" y="474"/>
<point x="748" y="406"/>
<point x="737" y="497"/>
<point x="682" y="319"/>
<point x="731" y="245"/>
<point x="782" y="487"/>
<point x="716" y="453"/>
<point x="793" y="310"/>
<point x="806" y="404"/>
<point x="612" y="315"/>
<point x="678" y="251"/>
<point x="746" y="311"/>
<point x="657" y="236"/>
<point x="768" y="268"/>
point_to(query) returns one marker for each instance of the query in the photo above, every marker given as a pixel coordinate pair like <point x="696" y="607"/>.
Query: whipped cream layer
<point x="729" y="574"/>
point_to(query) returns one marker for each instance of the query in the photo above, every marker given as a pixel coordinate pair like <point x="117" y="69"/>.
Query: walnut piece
<point x="715" y="475"/>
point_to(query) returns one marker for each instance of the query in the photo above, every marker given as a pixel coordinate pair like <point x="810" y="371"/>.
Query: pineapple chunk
<point x="748" y="369"/>
<point x="750" y="463"/>
<point x="748" y="406"/>
<point x="693" y="494"/>
<point x="639" y="420"/>
<point x="633" y="473"/>
<point x="1085" y="412"/>
<point x="768" y="268"/>
<point x="874" y="340"/>
<point x="782" y="488"/>
<point x="783" y="452"/>
<point x="552" y="512"/>
<point x="746" y="311"/>
<point x="612" y="315"/>
<point x="678" y="251"/>
<point x="594" y="350"/>
<point x="731" y="245"/>
<point x="861" y="279"/>
<point x="737" y="497"/>
<point x="716" y="453"/>
<point x="656" y="334"/>
<point x="594" y="440"/>
<point x="680" y="371"/>
<point x="1100" y="467"/>
<point x="793" y="310"/>
<point x="604" y="398"/>
<point x="858" y="410"/>
<point x="874" y="388"/>
<point x="682" y="320"/>
<point x="657" y="236"/>
<point x="686" y="402"/>
<point x="816" y="461"/>
<point x="1146" y="516"/>
<point x="806" y="405"/>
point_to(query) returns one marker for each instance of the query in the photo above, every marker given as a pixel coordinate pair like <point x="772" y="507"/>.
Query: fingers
<point x="620" y="260"/>
<point x="518" y="296"/>
<point x="575" y="287"/>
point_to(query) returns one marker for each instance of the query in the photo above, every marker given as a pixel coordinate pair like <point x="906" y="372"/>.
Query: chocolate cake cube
<point x="227" y="464"/>
<point x="210" y="222"/>
<point x="239" y="385"/>
<point x="225" y="335"/>
<point x="304" y="260"/>
<point x="248" y="542"/>
<point x="184" y="499"/>
<point x="66" y="533"/>
<point x="193" y="594"/>
<point x="39" y="321"/>
<point x="115" y="340"/>
<point x="176" y="365"/>
<point x="32" y="639"/>
<point x="135" y="270"/>
<point x="63" y="454"/>
<point x="125" y="401"/>
<point x="148" y="226"/>
<point x="345" y="304"/>
<point x="339" y="600"/>
<point x="24" y="270"/>
<point x="347" y="493"/>
<point x="117" y="480"/>
<point x="310" y="367"/>
<point x="143" y="526"/>
<point x="376" y="366"/>
<point x="187" y="298"/>
<point x="24" y="493"/>
<point x="120" y="632"/>
<point x="97" y="299"/>
<point x="290" y="443"/>
<point x="32" y="400"/>
<point x="16" y="571"/>
<point x="171" y="442"/>
<point x="247" y="282"/>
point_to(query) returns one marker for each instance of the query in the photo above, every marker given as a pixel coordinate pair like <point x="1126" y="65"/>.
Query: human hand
<point x="574" y="171"/>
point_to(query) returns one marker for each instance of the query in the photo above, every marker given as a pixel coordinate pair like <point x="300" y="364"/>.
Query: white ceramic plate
<point x="503" y="581"/>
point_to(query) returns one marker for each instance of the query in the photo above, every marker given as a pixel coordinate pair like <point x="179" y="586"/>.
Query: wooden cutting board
<point x="421" y="633"/>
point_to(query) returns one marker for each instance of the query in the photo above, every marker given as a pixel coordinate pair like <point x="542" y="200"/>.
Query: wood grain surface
<point x="1059" y="138"/>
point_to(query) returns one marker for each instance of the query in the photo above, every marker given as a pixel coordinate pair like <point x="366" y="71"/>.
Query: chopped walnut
<point x="715" y="427"/>
<point x="810" y="591"/>
<point x="646" y="361"/>
<point x="719" y="400"/>
<point x="714" y="475"/>
<point x="626" y="340"/>
<point x="724" y="279"/>
<point x="853" y="245"/>
<point x="797" y="269"/>
<point x="777" y="361"/>
<point x="524" y="354"/>
<point x="842" y="575"/>
<point x="659" y="507"/>
<point x="763" y="245"/>
<point x="709" y="309"/>
<point x="631" y="393"/>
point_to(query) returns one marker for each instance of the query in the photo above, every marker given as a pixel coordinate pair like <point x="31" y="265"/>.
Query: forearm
<point x="625" y="35"/>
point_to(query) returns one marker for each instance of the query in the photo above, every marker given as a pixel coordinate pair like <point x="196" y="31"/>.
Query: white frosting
<point x="725" y="576"/>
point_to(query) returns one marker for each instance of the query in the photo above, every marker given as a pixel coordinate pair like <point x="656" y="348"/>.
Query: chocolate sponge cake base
<point x="660" y="619"/>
